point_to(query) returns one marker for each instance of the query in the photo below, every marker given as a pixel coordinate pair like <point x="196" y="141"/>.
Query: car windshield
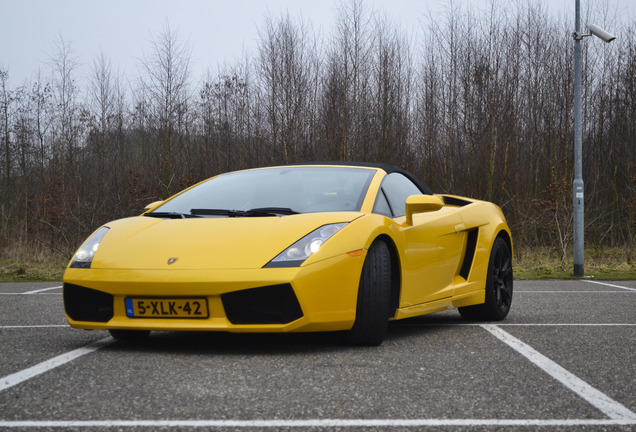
<point x="274" y="191"/>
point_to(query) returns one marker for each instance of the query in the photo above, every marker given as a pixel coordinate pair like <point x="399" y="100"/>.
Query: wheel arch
<point x="504" y="234"/>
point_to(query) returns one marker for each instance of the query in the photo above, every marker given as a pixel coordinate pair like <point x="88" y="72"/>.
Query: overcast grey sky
<point x="216" y="31"/>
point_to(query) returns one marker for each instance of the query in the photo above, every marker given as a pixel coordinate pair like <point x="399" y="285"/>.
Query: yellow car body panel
<point x="208" y="258"/>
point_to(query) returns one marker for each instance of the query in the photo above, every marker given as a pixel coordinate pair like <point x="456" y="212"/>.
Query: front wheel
<point x="498" y="287"/>
<point x="374" y="298"/>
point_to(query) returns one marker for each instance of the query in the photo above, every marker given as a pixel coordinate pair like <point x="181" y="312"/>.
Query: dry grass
<point x="18" y="265"/>
<point x="546" y="263"/>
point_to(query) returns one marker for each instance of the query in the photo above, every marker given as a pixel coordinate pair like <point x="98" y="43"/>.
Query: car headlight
<point x="84" y="256"/>
<point x="297" y="253"/>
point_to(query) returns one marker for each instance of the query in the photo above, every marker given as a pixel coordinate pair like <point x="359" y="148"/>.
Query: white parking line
<point x="565" y="325"/>
<point x="34" y="326"/>
<point x="18" y="377"/>
<point x="23" y="293"/>
<point x="42" y="290"/>
<point x="610" y="285"/>
<point x="469" y="324"/>
<point x="38" y="291"/>
<point x="572" y="291"/>
<point x="310" y="423"/>
<point x="611" y="408"/>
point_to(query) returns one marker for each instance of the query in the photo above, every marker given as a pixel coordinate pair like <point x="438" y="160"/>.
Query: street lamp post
<point x="578" y="192"/>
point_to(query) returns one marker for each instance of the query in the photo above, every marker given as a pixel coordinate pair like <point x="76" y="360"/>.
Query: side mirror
<point x="421" y="204"/>
<point x="152" y="206"/>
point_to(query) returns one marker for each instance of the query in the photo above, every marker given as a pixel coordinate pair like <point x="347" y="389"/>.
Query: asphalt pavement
<point x="563" y="360"/>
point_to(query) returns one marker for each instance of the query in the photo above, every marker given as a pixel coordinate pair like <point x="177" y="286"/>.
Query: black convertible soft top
<point x="386" y="167"/>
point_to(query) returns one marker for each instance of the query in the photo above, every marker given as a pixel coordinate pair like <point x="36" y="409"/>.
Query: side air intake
<point x="469" y="255"/>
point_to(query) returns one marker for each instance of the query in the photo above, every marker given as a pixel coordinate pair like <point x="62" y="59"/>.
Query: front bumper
<point x="240" y="300"/>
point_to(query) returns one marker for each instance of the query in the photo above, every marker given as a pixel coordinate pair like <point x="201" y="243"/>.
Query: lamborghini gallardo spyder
<point x="300" y="248"/>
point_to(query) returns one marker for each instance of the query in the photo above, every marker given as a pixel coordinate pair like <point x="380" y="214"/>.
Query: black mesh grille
<point x="85" y="304"/>
<point x="276" y="304"/>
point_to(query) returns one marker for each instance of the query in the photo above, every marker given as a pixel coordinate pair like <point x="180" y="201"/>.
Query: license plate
<point x="167" y="308"/>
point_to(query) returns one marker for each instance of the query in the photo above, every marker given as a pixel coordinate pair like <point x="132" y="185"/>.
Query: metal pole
<point x="577" y="186"/>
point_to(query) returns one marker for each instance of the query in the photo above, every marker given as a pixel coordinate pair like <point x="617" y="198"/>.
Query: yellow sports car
<point x="299" y="248"/>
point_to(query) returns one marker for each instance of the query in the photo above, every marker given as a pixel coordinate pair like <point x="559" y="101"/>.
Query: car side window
<point x="397" y="188"/>
<point x="381" y="205"/>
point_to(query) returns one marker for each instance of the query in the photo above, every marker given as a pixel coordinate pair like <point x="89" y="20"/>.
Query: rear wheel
<point x="129" y="335"/>
<point x="498" y="287"/>
<point x="374" y="298"/>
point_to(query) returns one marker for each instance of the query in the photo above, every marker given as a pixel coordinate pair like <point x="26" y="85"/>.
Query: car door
<point x="431" y="246"/>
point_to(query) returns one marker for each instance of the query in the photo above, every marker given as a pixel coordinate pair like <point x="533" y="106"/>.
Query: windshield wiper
<point x="169" y="215"/>
<point x="216" y="212"/>
<point x="255" y="212"/>
<point x="266" y="211"/>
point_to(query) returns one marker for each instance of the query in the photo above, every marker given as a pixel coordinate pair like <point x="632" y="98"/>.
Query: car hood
<point x="205" y="243"/>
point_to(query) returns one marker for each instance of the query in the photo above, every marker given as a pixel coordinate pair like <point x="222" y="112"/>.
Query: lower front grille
<point x="276" y="304"/>
<point x="85" y="304"/>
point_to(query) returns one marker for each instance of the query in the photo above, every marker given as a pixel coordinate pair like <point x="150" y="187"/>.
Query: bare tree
<point x="102" y="106"/>
<point x="392" y="76"/>
<point x="350" y="60"/>
<point x="64" y="65"/>
<point x="6" y="100"/>
<point x="285" y="78"/>
<point x="41" y="103"/>
<point x="166" y="85"/>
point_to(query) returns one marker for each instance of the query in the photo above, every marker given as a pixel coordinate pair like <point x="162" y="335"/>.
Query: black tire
<point x="374" y="298"/>
<point x="129" y="335"/>
<point x="499" y="284"/>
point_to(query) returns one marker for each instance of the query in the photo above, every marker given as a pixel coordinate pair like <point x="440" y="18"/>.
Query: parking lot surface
<point x="563" y="360"/>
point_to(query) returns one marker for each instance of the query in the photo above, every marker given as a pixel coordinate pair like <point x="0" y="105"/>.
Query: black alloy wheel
<point x="502" y="277"/>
